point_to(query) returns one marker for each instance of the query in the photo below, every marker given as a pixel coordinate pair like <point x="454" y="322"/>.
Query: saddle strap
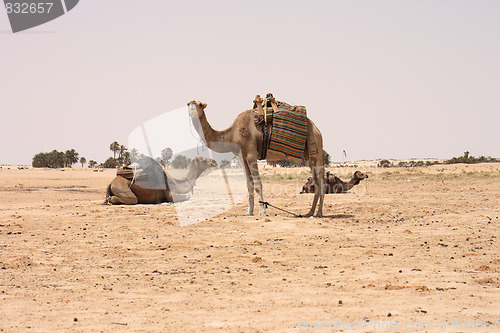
<point x="274" y="105"/>
<point x="265" y="140"/>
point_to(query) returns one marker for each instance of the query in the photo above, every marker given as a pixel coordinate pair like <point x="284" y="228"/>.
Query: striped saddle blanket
<point x="288" y="135"/>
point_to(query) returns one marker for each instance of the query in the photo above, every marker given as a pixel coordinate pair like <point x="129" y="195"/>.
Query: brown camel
<point x="334" y="184"/>
<point x="244" y="137"/>
<point x="124" y="191"/>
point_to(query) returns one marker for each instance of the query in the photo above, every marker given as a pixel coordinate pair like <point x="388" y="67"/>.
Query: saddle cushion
<point x="149" y="174"/>
<point x="289" y="132"/>
<point x="126" y="172"/>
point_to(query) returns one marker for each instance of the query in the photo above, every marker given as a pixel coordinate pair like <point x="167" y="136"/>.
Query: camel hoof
<point x="249" y="214"/>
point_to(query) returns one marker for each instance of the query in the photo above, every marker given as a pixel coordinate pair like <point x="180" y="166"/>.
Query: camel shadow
<point x="338" y="216"/>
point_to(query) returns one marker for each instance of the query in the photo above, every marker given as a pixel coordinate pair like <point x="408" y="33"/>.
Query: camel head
<point x="196" y="109"/>
<point x="202" y="163"/>
<point x="360" y="175"/>
<point x="308" y="187"/>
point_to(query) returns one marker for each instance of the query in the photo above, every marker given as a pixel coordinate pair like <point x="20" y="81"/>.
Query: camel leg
<point x="318" y="174"/>
<point x="317" y="189"/>
<point x="318" y="171"/>
<point x="314" y="154"/>
<point x="321" y="175"/>
<point x="257" y="183"/>
<point x="122" y="193"/>
<point x="250" y="187"/>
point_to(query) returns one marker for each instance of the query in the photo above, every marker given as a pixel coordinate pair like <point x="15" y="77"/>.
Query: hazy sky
<point x="381" y="79"/>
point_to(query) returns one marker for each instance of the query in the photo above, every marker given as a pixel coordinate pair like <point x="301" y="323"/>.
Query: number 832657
<point x="28" y="8"/>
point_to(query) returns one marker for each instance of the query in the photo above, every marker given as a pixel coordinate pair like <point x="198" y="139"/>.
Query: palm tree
<point x="126" y="158"/>
<point x="83" y="160"/>
<point x="114" y="147"/>
<point x="134" y="154"/>
<point x="110" y="163"/>
<point x="92" y="163"/>
<point x="41" y="160"/>
<point x="180" y="162"/>
<point x="70" y="157"/>
<point x="166" y="155"/>
<point x="121" y="150"/>
<point x="55" y="159"/>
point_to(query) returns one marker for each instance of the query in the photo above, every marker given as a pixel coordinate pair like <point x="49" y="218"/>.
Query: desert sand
<point x="407" y="250"/>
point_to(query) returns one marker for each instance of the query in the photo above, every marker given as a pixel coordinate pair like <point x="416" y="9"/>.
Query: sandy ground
<point x="408" y="249"/>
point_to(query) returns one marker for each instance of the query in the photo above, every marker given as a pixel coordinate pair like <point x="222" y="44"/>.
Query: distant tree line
<point x="406" y="164"/>
<point x="56" y="159"/>
<point x="469" y="159"/>
<point x="466" y="158"/>
<point x="123" y="157"/>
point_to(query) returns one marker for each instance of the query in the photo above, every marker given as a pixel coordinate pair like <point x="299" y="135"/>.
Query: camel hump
<point x="148" y="174"/>
<point x="151" y="174"/>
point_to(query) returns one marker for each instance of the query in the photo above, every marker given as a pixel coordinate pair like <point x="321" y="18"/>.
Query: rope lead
<point x="267" y="204"/>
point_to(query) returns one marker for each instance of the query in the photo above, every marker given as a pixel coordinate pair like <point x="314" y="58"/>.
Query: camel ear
<point x="203" y="105"/>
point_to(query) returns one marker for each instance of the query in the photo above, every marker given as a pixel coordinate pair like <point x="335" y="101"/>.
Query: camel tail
<point x="108" y="194"/>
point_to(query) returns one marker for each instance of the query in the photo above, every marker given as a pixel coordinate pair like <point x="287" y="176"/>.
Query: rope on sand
<point x="267" y="204"/>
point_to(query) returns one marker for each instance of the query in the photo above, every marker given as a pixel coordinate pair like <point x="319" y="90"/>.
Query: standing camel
<point x="124" y="191"/>
<point x="245" y="137"/>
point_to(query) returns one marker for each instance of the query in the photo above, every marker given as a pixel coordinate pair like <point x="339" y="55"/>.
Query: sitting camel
<point x="334" y="184"/>
<point x="124" y="191"/>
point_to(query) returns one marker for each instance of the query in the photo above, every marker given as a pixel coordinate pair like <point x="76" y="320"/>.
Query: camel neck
<point x="211" y="137"/>
<point x="354" y="181"/>
<point x="186" y="184"/>
<point x="193" y="174"/>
